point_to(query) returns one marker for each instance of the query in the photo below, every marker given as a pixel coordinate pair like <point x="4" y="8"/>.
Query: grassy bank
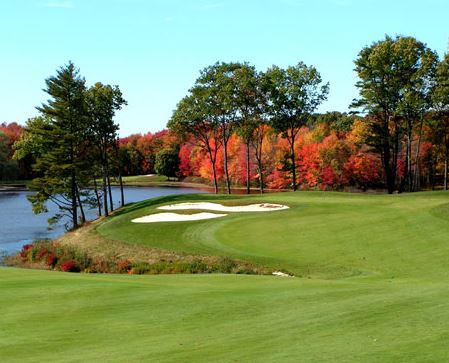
<point x="12" y="185"/>
<point x="322" y="235"/>
<point x="153" y="180"/>
<point x="374" y="281"/>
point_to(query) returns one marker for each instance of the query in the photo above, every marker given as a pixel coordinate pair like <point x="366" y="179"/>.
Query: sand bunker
<point x="261" y="207"/>
<point x="175" y="217"/>
<point x="279" y="273"/>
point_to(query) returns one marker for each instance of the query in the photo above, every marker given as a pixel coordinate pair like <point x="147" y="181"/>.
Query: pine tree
<point x="61" y="163"/>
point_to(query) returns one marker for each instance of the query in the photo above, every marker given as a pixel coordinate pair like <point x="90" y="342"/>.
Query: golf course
<point x="370" y="283"/>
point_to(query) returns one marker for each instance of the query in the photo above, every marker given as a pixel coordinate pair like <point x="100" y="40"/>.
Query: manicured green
<point x="322" y="235"/>
<point x="374" y="288"/>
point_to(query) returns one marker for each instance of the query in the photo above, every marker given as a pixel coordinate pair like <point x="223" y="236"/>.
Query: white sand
<point x="279" y="273"/>
<point x="175" y="217"/>
<point x="261" y="207"/>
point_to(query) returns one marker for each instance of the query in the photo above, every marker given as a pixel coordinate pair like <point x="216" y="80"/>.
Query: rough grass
<point x="374" y="288"/>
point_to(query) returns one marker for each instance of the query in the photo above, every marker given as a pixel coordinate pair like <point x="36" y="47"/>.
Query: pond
<point x="18" y="224"/>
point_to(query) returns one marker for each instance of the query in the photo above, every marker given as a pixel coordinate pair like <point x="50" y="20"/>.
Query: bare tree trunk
<point x="111" y="204"/>
<point x="446" y="161"/>
<point x="409" y="175"/>
<point x="213" y="159"/>
<point x="386" y="160"/>
<point x="105" y="195"/>
<point x="74" y="208"/>
<point x="97" y="196"/>
<point x="225" y="158"/>
<point x="258" y="153"/>
<point x="248" y="174"/>
<point x="260" y="167"/>
<point x="293" y="157"/>
<point x="215" y="177"/>
<point x="117" y="155"/>
<point x="416" y="186"/>
<point x="74" y="202"/>
<point x="122" y="194"/>
<point x="445" y="172"/>
<point x="108" y="180"/>
<point x="83" y="216"/>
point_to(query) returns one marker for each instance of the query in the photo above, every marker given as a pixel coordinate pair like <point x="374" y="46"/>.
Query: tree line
<point x="404" y="95"/>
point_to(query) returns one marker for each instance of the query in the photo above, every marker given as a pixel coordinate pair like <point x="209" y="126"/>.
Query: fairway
<point x="371" y="285"/>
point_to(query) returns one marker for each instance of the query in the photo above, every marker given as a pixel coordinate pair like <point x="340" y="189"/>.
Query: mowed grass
<point x="50" y="317"/>
<point x="374" y="288"/>
<point x="322" y="235"/>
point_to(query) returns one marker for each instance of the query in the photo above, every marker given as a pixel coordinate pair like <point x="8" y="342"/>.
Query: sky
<point x="154" y="49"/>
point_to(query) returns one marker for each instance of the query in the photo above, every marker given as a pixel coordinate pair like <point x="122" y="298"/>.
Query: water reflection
<point x="18" y="224"/>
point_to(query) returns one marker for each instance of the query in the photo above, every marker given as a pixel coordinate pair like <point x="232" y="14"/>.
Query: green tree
<point x="293" y="95"/>
<point x="167" y="162"/>
<point x="102" y="103"/>
<point x="192" y="117"/>
<point x="395" y="75"/>
<point x="419" y="64"/>
<point x="250" y="109"/>
<point x="62" y="139"/>
<point x="8" y="168"/>
<point x="221" y="90"/>
<point x="440" y="100"/>
<point x="341" y="122"/>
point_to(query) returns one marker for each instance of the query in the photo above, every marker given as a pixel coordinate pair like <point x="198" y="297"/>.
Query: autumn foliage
<point x="326" y="159"/>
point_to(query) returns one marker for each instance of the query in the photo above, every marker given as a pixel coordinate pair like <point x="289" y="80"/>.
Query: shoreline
<point x="13" y="188"/>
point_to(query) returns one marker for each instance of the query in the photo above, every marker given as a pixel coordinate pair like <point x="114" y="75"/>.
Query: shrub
<point x="198" y="267"/>
<point x="69" y="266"/>
<point x="72" y="259"/>
<point x="25" y="251"/>
<point x="123" y="266"/>
<point x="101" y="265"/>
<point x="226" y="265"/>
<point x="140" y="268"/>
<point x="41" y="253"/>
<point x="52" y="260"/>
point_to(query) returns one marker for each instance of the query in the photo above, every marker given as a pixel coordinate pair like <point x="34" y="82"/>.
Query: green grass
<point x="15" y="182"/>
<point x="155" y="180"/>
<point x="144" y="179"/>
<point x="322" y="235"/>
<point x="374" y="288"/>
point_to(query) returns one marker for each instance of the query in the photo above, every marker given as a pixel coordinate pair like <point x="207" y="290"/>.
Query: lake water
<point x="18" y="224"/>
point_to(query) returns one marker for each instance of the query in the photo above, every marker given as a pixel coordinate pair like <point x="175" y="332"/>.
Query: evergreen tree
<point x="62" y="141"/>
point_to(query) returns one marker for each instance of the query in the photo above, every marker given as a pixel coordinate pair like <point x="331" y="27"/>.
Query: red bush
<point x="42" y="253"/>
<point x="123" y="265"/>
<point x="69" y="266"/>
<point x="25" y="250"/>
<point x="52" y="260"/>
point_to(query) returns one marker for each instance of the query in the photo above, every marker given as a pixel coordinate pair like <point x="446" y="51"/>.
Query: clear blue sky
<point x="153" y="49"/>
